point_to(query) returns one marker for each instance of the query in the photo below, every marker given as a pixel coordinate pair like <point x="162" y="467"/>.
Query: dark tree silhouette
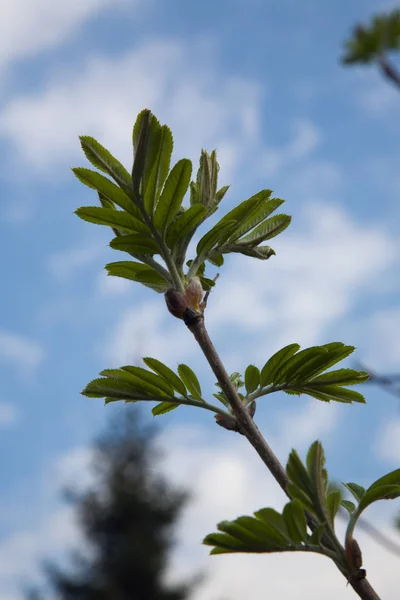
<point x="127" y="517"/>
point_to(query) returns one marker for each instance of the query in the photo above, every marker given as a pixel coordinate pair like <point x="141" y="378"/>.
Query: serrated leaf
<point x="298" y="474"/>
<point x="298" y="494"/>
<point x="316" y="536"/>
<point x="167" y="373"/>
<point x="108" y="189"/>
<point x="274" y="363"/>
<point x="173" y="193"/>
<point x="217" y="235"/>
<point x="221" y="193"/>
<point x="264" y="210"/>
<point x="102" y="159"/>
<point x="135" y="244"/>
<point x="111" y="218"/>
<point x="260" y="252"/>
<point x="329" y="356"/>
<point x="333" y="392"/>
<point x="223" y="541"/>
<point x="341" y="377"/>
<point x="288" y="372"/>
<point x="276" y="526"/>
<point x="242" y="534"/>
<point x="294" y="517"/>
<point x="349" y="506"/>
<point x="333" y="501"/>
<point x="159" y="170"/>
<point x="164" y="407"/>
<point x="120" y="390"/>
<point x="138" y="272"/>
<point x="146" y="139"/>
<point x="185" y="224"/>
<point x="315" y="467"/>
<point x="241" y="213"/>
<point x="150" y="379"/>
<point x="216" y="259"/>
<point x="251" y="378"/>
<point x="387" y="487"/>
<point x="267" y="230"/>
<point x="190" y="380"/>
<point x="356" y="490"/>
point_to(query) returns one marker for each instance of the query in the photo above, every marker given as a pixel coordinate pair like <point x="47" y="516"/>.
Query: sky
<point x="260" y="81"/>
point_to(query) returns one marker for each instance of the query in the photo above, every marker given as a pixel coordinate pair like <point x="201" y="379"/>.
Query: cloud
<point x="382" y="327"/>
<point x="306" y="138"/>
<point x="322" y="270"/>
<point x="9" y="414"/>
<point x="30" y="26"/>
<point x="103" y="97"/>
<point x="19" y="350"/>
<point x="65" y="264"/>
<point x="388" y="443"/>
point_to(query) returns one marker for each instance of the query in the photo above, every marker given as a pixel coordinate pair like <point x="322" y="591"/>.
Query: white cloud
<point x="306" y="137"/>
<point x="30" y="26"/>
<point x="320" y="273"/>
<point x="382" y="327"/>
<point x="389" y="442"/>
<point x="20" y="350"/>
<point x="65" y="264"/>
<point x="9" y="414"/>
<point x="103" y="97"/>
<point x="109" y="285"/>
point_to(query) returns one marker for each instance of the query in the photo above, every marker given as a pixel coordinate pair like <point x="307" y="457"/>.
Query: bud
<point x="176" y="303"/>
<point x="194" y="294"/>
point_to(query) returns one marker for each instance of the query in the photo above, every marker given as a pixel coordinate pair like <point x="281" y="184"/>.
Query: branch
<point x="389" y="70"/>
<point x="195" y="323"/>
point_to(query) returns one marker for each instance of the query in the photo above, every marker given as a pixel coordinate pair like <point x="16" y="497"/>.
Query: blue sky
<point x="260" y="81"/>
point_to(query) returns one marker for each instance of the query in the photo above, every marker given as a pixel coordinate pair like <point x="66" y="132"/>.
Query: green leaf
<point x="265" y="208"/>
<point x="224" y="541"/>
<point x="329" y="356"/>
<point x="190" y="380"/>
<point x="138" y="272"/>
<point x="135" y="244"/>
<point x="276" y="525"/>
<point x="333" y="501"/>
<point x="216" y="236"/>
<point x="119" y="390"/>
<point x="185" y="224"/>
<point x="274" y="363"/>
<point x="165" y="372"/>
<point x="137" y="384"/>
<point x="221" y="193"/>
<point x="356" y="490"/>
<point x="159" y="170"/>
<point x="251" y="378"/>
<point x="173" y="193"/>
<point x="298" y="494"/>
<point x="267" y="230"/>
<point x="102" y="159"/>
<point x="242" y="534"/>
<point x="316" y="536"/>
<point x="315" y="468"/>
<point x="216" y="259"/>
<point x="108" y="189"/>
<point x="294" y="517"/>
<point x="387" y="487"/>
<point x="111" y="218"/>
<point x="333" y="392"/>
<point x="164" y="407"/>
<point x="298" y="474"/>
<point x="341" y="377"/>
<point x="148" y="378"/>
<point x="289" y="371"/>
<point x="349" y="506"/>
<point x="260" y="252"/>
<point x="240" y="213"/>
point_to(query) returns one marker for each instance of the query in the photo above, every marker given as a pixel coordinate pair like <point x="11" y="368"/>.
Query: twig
<point x="389" y="70"/>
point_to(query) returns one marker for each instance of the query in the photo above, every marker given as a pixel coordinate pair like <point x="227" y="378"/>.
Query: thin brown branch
<point x="246" y="426"/>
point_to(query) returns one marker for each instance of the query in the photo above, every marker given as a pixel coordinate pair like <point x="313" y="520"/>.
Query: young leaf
<point x="277" y="529"/>
<point x="217" y="235"/>
<point x="267" y="230"/>
<point x="264" y="531"/>
<point x="107" y="189"/>
<point x="185" y="224"/>
<point x="315" y="468"/>
<point x="135" y="244"/>
<point x="315" y="538"/>
<point x="112" y="218"/>
<point x="341" y="377"/>
<point x="349" y="506"/>
<point x="288" y="372"/>
<point x="165" y="372"/>
<point x="114" y="388"/>
<point x="224" y="541"/>
<point x="149" y="378"/>
<point x="164" y="407"/>
<point x="173" y="193"/>
<point x="251" y="378"/>
<point x="243" y="534"/>
<point x="274" y="363"/>
<point x="190" y="380"/>
<point x="329" y="356"/>
<point x="333" y="501"/>
<point x="334" y="392"/>
<point x="387" y="487"/>
<point x="138" y="272"/>
<point x="295" y="520"/>
<point x="159" y="170"/>
<point x="102" y="159"/>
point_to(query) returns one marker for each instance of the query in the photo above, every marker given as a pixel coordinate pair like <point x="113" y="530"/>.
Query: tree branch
<point x="389" y="70"/>
<point x="247" y="427"/>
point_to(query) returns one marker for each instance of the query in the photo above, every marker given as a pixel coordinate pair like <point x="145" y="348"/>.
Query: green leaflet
<point x="316" y="536"/>
<point x="159" y="170"/>
<point x="267" y="230"/>
<point x="315" y="467"/>
<point x="295" y="520"/>
<point x="173" y="193"/>
<point x="349" y="506"/>
<point x="264" y="210"/>
<point x="114" y="388"/>
<point x="298" y="474"/>
<point x="333" y="501"/>
<point x="242" y="534"/>
<point x="288" y="371"/>
<point x="112" y="218"/>
<point x="386" y="487"/>
<point x="341" y="377"/>
<point x="251" y="378"/>
<point x="165" y="372"/>
<point x="216" y="236"/>
<point x="356" y="490"/>
<point x="329" y="357"/>
<point x="223" y="541"/>
<point x="146" y="138"/>
<point x="138" y="272"/>
<point x="102" y="159"/>
<point x="151" y="379"/>
<point x="261" y="252"/>
<point x="190" y="380"/>
<point x="332" y="392"/>
<point x="108" y="189"/>
<point x="137" y="384"/>
<point x="185" y="224"/>
<point x="274" y="363"/>
<point x="164" y="407"/>
<point x="135" y="244"/>
<point x="275" y="525"/>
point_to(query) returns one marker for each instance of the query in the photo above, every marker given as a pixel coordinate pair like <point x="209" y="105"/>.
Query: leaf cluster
<point x="379" y="37"/>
